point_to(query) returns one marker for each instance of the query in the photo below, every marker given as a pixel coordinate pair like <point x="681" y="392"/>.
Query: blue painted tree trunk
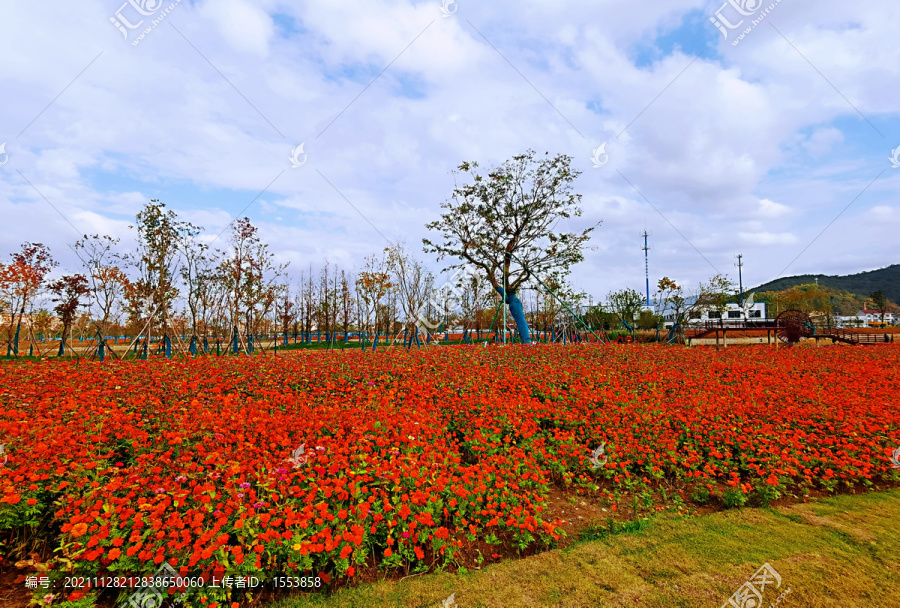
<point x="167" y="343"/>
<point x="518" y="314"/>
<point x="101" y="348"/>
<point x="193" y="347"/>
<point x="205" y="345"/>
<point x="234" y="342"/>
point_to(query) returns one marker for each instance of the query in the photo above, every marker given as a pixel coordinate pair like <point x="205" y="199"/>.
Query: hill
<point x="861" y="283"/>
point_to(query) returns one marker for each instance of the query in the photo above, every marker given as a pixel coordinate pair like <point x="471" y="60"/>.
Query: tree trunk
<point x="518" y="314"/>
<point x="62" y="342"/>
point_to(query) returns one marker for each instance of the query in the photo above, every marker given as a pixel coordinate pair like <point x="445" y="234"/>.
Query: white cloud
<point x="246" y="27"/>
<point x="823" y="140"/>
<point x="713" y="152"/>
<point x="768" y="238"/>
<point x="769" y="208"/>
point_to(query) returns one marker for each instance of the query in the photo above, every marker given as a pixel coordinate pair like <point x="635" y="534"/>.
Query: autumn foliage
<point x="410" y="454"/>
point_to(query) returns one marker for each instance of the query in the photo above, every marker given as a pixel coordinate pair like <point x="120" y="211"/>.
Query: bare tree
<point x="250" y="276"/>
<point x="413" y="284"/>
<point x="346" y="302"/>
<point x="100" y="260"/>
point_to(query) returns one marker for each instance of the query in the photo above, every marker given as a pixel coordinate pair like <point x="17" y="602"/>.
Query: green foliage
<point x="859" y="285"/>
<point x="701" y="495"/>
<point x="626" y="304"/>
<point x="648" y="320"/>
<point x="503" y="220"/>
<point x="734" y="497"/>
<point x="614" y="527"/>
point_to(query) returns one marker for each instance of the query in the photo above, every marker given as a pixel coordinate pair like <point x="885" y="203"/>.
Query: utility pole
<point x="740" y="266"/>
<point x="646" y="249"/>
<point x="504" y="302"/>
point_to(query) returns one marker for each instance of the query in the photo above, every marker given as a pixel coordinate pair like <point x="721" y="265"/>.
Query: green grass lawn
<point x="841" y="551"/>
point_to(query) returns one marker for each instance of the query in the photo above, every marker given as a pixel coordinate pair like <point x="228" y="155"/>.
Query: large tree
<point x="504" y="222"/>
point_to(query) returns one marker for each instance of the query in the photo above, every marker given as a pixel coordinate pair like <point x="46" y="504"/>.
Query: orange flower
<point x="79" y="529"/>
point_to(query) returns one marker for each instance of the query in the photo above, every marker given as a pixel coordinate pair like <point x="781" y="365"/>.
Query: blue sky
<point x="754" y="148"/>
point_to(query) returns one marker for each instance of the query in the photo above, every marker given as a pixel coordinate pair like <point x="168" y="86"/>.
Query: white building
<point x="874" y="316"/>
<point x="733" y="312"/>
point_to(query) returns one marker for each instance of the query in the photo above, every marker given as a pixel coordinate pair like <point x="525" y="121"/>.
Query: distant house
<point x="874" y="316"/>
<point x="864" y="317"/>
<point x="849" y="321"/>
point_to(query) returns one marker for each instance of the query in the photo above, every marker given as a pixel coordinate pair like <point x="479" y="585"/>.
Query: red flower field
<point x="408" y="456"/>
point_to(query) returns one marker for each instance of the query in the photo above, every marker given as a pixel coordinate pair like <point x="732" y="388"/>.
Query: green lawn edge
<point x="840" y="551"/>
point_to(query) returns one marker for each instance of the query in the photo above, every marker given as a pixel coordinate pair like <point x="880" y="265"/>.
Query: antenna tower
<point x="646" y="250"/>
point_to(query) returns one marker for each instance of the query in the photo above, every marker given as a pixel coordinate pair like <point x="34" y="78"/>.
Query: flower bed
<point x="408" y="455"/>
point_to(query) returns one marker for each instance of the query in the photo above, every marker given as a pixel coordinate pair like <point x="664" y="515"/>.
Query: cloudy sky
<point x="776" y="144"/>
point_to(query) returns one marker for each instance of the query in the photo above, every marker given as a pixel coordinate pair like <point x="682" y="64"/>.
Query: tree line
<point x="498" y="229"/>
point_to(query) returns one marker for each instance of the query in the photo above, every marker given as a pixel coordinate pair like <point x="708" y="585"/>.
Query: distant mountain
<point x="861" y="283"/>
